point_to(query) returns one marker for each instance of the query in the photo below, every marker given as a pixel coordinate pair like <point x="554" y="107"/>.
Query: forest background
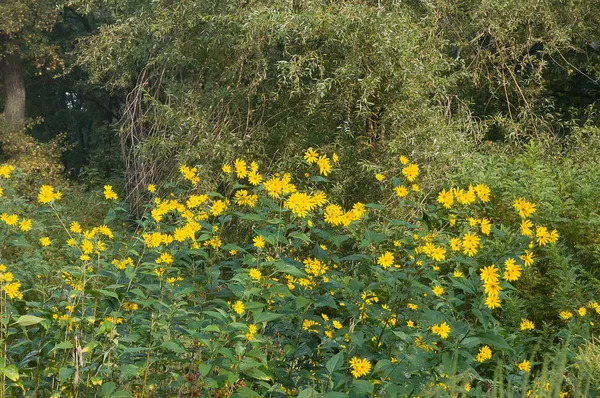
<point x="122" y="92"/>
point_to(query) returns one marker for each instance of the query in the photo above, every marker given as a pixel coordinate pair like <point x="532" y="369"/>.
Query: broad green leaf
<point x="335" y="362"/>
<point x="28" y="320"/>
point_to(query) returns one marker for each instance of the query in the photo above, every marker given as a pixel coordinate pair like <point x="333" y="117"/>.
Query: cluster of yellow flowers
<point x="8" y="285"/>
<point x="484" y="354"/>
<point x="359" y="367"/>
<point x="446" y="197"/>
<point x="311" y="156"/>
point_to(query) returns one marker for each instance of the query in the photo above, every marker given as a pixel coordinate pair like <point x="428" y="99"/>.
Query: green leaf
<point x="65" y="373"/>
<point x="129" y="371"/>
<point x="65" y="345"/>
<point x="11" y="372"/>
<point x="173" y="346"/>
<point x="299" y="235"/>
<point x="245" y="392"/>
<point x="107" y="389"/>
<point x="257" y="374"/>
<point x="28" y="320"/>
<point x="266" y="317"/>
<point x="362" y="387"/>
<point x="107" y="293"/>
<point x="204" y="368"/>
<point x="335" y="362"/>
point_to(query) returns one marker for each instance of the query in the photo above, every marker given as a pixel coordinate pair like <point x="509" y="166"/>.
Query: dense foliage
<point x="442" y="237"/>
<point x="270" y="288"/>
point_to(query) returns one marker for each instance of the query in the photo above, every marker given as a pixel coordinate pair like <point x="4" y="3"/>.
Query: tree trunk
<point x="14" y="88"/>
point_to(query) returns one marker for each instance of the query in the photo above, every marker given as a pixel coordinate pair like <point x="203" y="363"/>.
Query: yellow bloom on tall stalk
<point x="255" y="274"/>
<point x="526" y="324"/>
<point x="386" y="260"/>
<point x="218" y="207"/>
<point x="45" y="241"/>
<point x="401" y="191"/>
<point x="455" y="244"/>
<point x="524" y="207"/>
<point x="524" y="366"/>
<point x="484" y="354"/>
<point x="47" y="194"/>
<point x="165" y="258"/>
<point x="411" y="172"/>
<point x="445" y="198"/>
<point x="470" y="244"/>
<point x="75" y="227"/>
<point x="324" y="165"/>
<point x="5" y="170"/>
<point x="526" y="226"/>
<point x="25" y="225"/>
<point x="512" y="271"/>
<point x="151" y="188"/>
<point x="483" y="192"/>
<point x="359" y="367"/>
<point x="486" y="226"/>
<point x="259" y="242"/>
<point x="109" y="194"/>
<point x="238" y="307"/>
<point x="442" y="330"/>
<point x="438" y="290"/>
<point x="489" y="274"/>
<point x="311" y="156"/>
<point x="566" y="315"/>
<point x="240" y="168"/>
<point x="12" y="290"/>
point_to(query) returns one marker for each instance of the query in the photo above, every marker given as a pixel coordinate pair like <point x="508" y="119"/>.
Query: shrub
<point x="266" y="288"/>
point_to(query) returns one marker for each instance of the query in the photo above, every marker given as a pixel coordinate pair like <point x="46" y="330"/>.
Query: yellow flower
<point x="226" y="168"/>
<point x="5" y="170"/>
<point x="483" y="192"/>
<point x="484" y="354"/>
<point x="401" y="191"/>
<point x="337" y="324"/>
<point x="524" y="366"/>
<point x="45" y="241"/>
<point x="526" y="324"/>
<point x="566" y="315"/>
<point x="486" y="226"/>
<point x="359" y="367"/>
<point x="445" y="198"/>
<point x="151" y="188"/>
<point x="412" y="306"/>
<point x="415" y="187"/>
<point x="442" y="330"/>
<point x="386" y="260"/>
<point x="470" y="243"/>
<point x="255" y="274"/>
<point x="109" y="194"/>
<point x="311" y="156"/>
<point x="12" y="290"/>
<point x="25" y="225"/>
<point x="75" y="227"/>
<point x="411" y="172"/>
<point x="526" y="226"/>
<point x="379" y="177"/>
<point x="218" y="207"/>
<point x="259" y="242"/>
<point x="512" y="271"/>
<point x="240" y="168"/>
<point x="404" y="160"/>
<point x="238" y="307"/>
<point x="324" y="165"/>
<point x="524" y="208"/>
<point x="438" y="290"/>
<point x="47" y="194"/>
<point x="582" y="311"/>
<point x="410" y="324"/>
<point x="165" y="258"/>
